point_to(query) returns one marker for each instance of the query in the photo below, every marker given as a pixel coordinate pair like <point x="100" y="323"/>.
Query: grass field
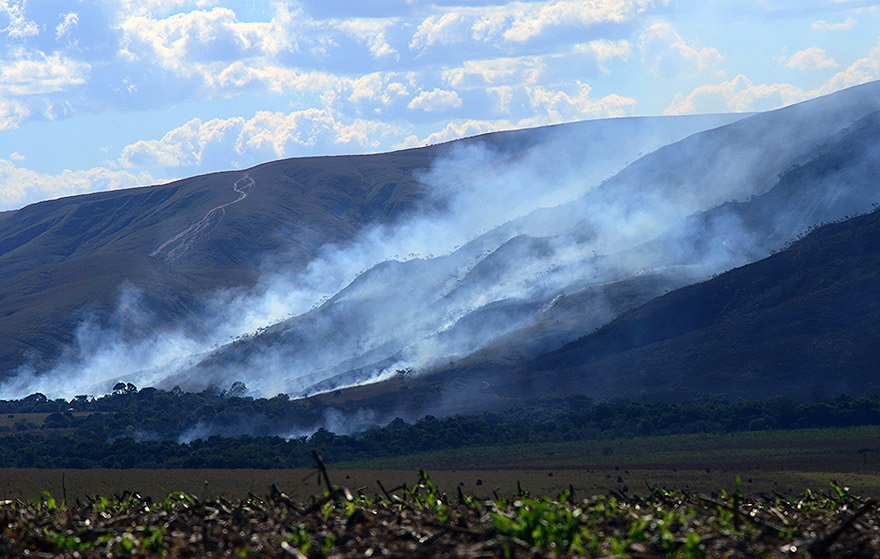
<point x="783" y="462"/>
<point x="762" y="494"/>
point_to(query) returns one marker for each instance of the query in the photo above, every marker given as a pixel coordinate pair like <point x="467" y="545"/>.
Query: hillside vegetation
<point x="156" y="429"/>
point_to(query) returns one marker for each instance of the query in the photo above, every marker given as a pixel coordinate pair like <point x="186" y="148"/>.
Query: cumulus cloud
<point x="519" y="22"/>
<point x="373" y="33"/>
<point x="372" y="76"/>
<point x="527" y="70"/>
<point x="813" y="58"/>
<point x="12" y="113"/>
<point x="435" y="100"/>
<point x="606" y="50"/>
<point x="18" y="25"/>
<point x="158" y="7"/>
<point x="451" y="27"/>
<point x="520" y="70"/>
<point x="667" y="54"/>
<point x="182" y="41"/>
<point x="41" y="74"/>
<point x="531" y="20"/>
<point x="561" y="106"/>
<point x="22" y="186"/>
<point x="845" y="25"/>
<point x="267" y="135"/>
<point x="545" y="106"/>
<point x="860" y="71"/>
<point x="68" y="22"/>
<point x="737" y="95"/>
<point x="742" y="94"/>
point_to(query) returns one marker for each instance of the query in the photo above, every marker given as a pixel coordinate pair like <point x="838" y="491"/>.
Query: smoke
<point x="510" y="231"/>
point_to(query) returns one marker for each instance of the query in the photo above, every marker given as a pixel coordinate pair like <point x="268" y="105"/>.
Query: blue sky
<point x="101" y="94"/>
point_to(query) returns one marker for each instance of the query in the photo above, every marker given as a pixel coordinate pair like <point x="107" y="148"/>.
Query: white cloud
<point x="435" y="100"/>
<point x="22" y="186"/>
<point x="522" y="70"/>
<point x="240" y="142"/>
<point x="184" y="146"/>
<point x="736" y="95"/>
<point x="376" y="90"/>
<point x="183" y="41"/>
<point x="606" y="50"/>
<point x="667" y="54"/>
<point x="845" y="25"/>
<point x="519" y="22"/>
<point x="19" y="26"/>
<point x="530" y="70"/>
<point x="373" y="33"/>
<point x="741" y="94"/>
<point x="448" y="28"/>
<point x="457" y="129"/>
<point x="563" y="106"/>
<point x="41" y="74"/>
<point x="860" y="71"/>
<point x="12" y="114"/>
<point x="813" y="58"/>
<point x="545" y="106"/>
<point x="532" y="19"/>
<point x="68" y="22"/>
<point x="157" y="7"/>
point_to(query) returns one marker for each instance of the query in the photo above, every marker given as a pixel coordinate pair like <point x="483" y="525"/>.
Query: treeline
<point x="151" y="428"/>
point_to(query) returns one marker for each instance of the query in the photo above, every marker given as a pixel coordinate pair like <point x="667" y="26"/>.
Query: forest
<point x="151" y="428"/>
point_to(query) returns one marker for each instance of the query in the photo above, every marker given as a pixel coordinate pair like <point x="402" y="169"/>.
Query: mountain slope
<point x="712" y="201"/>
<point x="81" y="274"/>
<point x="802" y="324"/>
<point x="61" y="258"/>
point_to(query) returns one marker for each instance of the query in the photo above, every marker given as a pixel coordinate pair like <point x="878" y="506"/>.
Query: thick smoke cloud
<point x="508" y="234"/>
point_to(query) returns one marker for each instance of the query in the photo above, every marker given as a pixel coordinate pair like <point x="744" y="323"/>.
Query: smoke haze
<point x="506" y="234"/>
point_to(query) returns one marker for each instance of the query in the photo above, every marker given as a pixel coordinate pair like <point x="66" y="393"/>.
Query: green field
<point x="783" y="462"/>
<point x="763" y="493"/>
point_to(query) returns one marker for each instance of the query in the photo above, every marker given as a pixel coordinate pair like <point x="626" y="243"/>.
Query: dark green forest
<point x="150" y="428"/>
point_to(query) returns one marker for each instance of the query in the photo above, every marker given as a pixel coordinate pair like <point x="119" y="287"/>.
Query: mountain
<point x="468" y="275"/>
<point x="714" y="200"/>
<point x="178" y="243"/>
<point x="802" y="324"/>
<point x="84" y="280"/>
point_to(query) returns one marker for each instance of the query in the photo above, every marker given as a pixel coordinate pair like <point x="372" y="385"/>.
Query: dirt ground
<point x="301" y="483"/>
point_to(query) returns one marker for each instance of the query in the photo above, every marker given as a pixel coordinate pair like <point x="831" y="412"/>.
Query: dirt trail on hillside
<point x="178" y="245"/>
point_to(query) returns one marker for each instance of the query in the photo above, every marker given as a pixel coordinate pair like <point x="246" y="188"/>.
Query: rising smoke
<point x="507" y="234"/>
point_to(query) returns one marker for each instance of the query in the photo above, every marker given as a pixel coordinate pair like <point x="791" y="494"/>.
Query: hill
<point x="65" y="258"/>
<point x="470" y="265"/>
<point x="83" y="274"/>
<point x="710" y="202"/>
<point x="799" y="324"/>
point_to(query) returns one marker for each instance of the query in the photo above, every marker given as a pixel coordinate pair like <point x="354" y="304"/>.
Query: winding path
<point x="178" y="245"/>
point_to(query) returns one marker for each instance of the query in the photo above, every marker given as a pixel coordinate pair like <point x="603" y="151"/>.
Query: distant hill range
<point x="627" y="258"/>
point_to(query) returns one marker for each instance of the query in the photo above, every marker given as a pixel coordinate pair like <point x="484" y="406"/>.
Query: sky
<point x="106" y="94"/>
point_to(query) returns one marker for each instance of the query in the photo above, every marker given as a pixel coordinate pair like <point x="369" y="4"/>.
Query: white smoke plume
<point x="508" y="234"/>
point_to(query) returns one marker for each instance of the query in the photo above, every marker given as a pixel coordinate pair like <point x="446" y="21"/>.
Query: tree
<point x="121" y="388"/>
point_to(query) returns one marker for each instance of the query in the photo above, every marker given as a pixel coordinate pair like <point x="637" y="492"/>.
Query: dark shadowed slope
<point x="838" y="181"/>
<point x="712" y="201"/>
<point x="803" y="323"/>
